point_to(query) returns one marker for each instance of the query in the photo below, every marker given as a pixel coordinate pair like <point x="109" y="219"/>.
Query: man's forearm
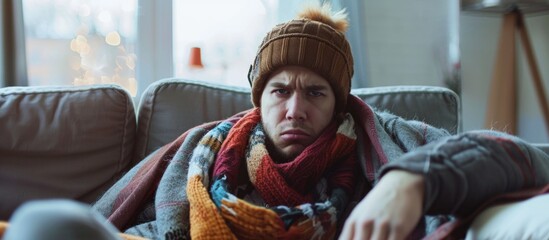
<point x="463" y="171"/>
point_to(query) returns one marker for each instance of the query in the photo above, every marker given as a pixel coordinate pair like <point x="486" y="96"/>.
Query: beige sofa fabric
<point x="67" y="142"/>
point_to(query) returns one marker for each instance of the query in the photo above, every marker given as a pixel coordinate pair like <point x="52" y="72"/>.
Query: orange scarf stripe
<point x="256" y="152"/>
<point x="211" y="142"/>
<point x="206" y="221"/>
<point x="251" y="222"/>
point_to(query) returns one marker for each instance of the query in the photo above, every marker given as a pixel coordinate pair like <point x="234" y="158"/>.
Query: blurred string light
<point x="90" y="65"/>
<point x="100" y="34"/>
<point x="113" y="38"/>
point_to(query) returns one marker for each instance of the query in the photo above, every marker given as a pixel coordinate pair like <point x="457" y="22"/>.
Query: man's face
<point x="296" y="106"/>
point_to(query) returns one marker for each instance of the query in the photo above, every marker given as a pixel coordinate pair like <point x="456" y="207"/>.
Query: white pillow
<point x="528" y="219"/>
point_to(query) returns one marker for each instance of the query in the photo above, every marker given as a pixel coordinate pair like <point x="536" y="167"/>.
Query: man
<point x="286" y="168"/>
<point x="289" y="167"/>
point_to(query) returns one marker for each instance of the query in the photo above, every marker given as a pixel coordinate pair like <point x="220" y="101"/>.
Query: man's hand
<point x="390" y="211"/>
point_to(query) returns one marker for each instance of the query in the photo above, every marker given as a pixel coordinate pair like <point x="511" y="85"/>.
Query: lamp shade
<point x="504" y="6"/>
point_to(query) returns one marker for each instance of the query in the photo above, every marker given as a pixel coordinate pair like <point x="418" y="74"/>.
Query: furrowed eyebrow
<point x="316" y="88"/>
<point x="277" y="85"/>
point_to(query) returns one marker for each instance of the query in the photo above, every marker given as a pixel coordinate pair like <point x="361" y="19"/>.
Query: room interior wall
<point x="478" y="38"/>
<point x="405" y="42"/>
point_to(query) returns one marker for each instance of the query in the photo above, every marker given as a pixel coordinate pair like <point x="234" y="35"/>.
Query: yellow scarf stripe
<point x="206" y="221"/>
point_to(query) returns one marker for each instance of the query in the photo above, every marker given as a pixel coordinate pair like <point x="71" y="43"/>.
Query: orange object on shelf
<point x="195" y="58"/>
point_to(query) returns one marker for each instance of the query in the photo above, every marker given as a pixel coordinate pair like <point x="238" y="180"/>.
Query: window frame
<point x="154" y="48"/>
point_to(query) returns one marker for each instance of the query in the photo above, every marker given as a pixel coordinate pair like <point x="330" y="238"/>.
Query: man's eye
<point x="281" y="91"/>
<point x="316" y="93"/>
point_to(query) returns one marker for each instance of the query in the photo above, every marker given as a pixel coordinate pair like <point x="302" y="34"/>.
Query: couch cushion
<point x="517" y="220"/>
<point x="62" y="142"/>
<point x="437" y="106"/>
<point x="171" y="106"/>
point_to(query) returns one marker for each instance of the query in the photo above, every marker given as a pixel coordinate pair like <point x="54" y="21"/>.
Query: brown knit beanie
<point x="315" y="40"/>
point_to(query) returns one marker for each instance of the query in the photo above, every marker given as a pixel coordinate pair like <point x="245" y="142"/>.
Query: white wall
<point x="405" y="42"/>
<point x="478" y="37"/>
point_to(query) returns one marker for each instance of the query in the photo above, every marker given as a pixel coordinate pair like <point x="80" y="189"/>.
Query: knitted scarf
<point x="241" y="161"/>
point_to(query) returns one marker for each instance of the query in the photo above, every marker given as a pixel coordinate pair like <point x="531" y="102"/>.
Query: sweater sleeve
<point x="464" y="170"/>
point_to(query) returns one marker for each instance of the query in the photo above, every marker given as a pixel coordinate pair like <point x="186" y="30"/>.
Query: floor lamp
<point x="502" y="102"/>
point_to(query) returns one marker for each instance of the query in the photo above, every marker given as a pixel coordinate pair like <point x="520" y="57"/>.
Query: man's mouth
<point x="294" y="135"/>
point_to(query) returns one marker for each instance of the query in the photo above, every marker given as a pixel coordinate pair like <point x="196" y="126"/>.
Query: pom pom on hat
<point x="314" y="40"/>
<point x="323" y="14"/>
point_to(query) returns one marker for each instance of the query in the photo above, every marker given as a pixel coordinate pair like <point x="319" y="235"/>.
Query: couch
<point x="74" y="142"/>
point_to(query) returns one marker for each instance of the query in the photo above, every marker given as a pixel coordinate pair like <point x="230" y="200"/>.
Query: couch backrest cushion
<point x="171" y="106"/>
<point x="437" y="106"/>
<point x="62" y="142"/>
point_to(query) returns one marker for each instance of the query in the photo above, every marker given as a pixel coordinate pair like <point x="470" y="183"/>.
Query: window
<point x="78" y="42"/>
<point x="227" y="33"/>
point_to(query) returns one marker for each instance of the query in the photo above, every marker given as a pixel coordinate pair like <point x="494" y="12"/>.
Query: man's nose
<point x="296" y="108"/>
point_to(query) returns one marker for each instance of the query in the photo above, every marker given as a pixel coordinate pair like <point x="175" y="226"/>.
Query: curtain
<point x="13" y="69"/>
